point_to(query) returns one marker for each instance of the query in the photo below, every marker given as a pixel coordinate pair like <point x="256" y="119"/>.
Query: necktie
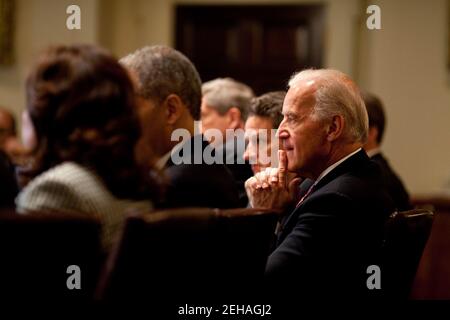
<point x="305" y="195"/>
<point x="279" y="226"/>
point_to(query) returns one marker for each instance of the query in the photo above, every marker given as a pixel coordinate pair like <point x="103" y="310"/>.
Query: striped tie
<point x="305" y="195"/>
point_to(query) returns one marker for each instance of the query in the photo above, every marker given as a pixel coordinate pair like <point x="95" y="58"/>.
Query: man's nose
<point x="282" y="133"/>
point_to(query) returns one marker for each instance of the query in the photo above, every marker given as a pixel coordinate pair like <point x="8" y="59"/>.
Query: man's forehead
<point x="304" y="87"/>
<point x="257" y="122"/>
<point x="300" y="95"/>
<point x="206" y="109"/>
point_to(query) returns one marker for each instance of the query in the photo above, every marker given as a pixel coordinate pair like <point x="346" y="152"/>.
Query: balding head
<point x="324" y="120"/>
<point x="335" y="94"/>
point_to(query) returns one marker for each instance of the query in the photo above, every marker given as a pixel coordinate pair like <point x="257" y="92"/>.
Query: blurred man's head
<point x="324" y="119"/>
<point x="7" y="126"/>
<point x="377" y="121"/>
<point x="264" y="115"/>
<point x="169" y="94"/>
<point x="225" y="104"/>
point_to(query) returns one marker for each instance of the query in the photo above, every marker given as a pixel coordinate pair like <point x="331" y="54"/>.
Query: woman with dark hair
<point x="81" y="130"/>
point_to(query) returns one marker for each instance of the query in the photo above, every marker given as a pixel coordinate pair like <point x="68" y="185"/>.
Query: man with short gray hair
<point x="169" y="98"/>
<point x="332" y="229"/>
<point x="225" y="105"/>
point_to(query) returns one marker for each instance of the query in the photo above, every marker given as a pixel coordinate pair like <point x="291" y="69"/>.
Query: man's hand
<point x="272" y="188"/>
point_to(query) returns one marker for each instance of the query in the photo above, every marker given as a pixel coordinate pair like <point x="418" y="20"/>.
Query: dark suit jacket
<point x="326" y="244"/>
<point x="240" y="169"/>
<point x="199" y="185"/>
<point x="8" y="186"/>
<point x="394" y="185"/>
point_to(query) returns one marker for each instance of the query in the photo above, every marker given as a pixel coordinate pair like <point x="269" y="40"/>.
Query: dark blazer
<point x="325" y="245"/>
<point x="199" y="185"/>
<point x="394" y="185"/>
<point x="8" y="185"/>
<point x="240" y="169"/>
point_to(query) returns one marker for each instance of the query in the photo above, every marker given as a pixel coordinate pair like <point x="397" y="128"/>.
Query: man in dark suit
<point x="377" y="122"/>
<point x="201" y="184"/>
<point x="327" y="239"/>
<point x="264" y="115"/>
<point x="169" y="99"/>
<point x="225" y="106"/>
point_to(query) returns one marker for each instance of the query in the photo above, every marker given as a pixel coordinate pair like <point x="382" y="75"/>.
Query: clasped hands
<point x="273" y="188"/>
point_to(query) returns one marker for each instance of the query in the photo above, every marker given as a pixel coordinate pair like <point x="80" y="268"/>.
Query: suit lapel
<point x="349" y="164"/>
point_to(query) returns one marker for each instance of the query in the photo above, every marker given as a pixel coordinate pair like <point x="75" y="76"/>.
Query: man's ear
<point x="336" y="128"/>
<point x="373" y="134"/>
<point x="174" y="108"/>
<point x="234" y="118"/>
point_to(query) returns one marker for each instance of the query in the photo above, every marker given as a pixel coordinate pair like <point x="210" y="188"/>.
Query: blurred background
<point x="406" y="63"/>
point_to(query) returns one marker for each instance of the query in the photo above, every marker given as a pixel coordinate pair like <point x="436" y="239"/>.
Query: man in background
<point x="264" y="117"/>
<point x="225" y="105"/>
<point x="169" y="98"/>
<point x="377" y="123"/>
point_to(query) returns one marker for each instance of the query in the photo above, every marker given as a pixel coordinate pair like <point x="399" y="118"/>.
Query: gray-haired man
<point x="225" y="105"/>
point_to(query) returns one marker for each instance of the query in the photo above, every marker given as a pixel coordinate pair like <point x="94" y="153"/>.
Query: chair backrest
<point x="432" y="279"/>
<point x="36" y="251"/>
<point x="406" y="235"/>
<point x="173" y="253"/>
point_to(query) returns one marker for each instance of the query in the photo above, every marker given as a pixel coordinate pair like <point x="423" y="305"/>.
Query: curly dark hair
<point x="81" y="102"/>
<point x="269" y="105"/>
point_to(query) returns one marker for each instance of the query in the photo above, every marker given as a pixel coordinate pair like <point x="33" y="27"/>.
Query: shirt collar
<point x="373" y="152"/>
<point x="334" y="165"/>
<point x="161" y="163"/>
